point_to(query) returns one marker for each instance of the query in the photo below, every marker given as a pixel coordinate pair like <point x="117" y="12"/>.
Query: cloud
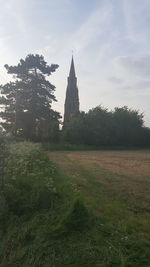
<point x="115" y="80"/>
<point x="13" y="16"/>
<point x="137" y="16"/>
<point x="92" y="28"/>
<point x="137" y="65"/>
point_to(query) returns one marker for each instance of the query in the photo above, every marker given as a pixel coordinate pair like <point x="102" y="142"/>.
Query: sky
<point x="110" y="40"/>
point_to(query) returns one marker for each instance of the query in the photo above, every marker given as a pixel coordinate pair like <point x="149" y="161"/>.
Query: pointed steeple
<point x="72" y="69"/>
<point x="72" y="98"/>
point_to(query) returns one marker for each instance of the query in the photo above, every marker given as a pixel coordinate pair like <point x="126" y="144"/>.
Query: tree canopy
<point x="100" y="127"/>
<point x="27" y="100"/>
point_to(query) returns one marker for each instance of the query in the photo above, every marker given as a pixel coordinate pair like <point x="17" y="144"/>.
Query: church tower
<point x="72" y="98"/>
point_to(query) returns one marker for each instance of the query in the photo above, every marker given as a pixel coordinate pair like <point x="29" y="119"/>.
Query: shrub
<point x="29" y="183"/>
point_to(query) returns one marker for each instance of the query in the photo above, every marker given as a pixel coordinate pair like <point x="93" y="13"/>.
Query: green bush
<point x="29" y="182"/>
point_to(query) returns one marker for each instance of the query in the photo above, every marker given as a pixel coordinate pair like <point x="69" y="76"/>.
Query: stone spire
<point x="72" y="98"/>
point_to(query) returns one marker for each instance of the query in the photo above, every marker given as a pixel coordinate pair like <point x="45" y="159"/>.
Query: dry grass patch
<point x="124" y="173"/>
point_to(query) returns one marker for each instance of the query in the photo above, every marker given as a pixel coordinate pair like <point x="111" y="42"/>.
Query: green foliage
<point x="29" y="183"/>
<point x="100" y="127"/>
<point x="29" y="179"/>
<point x="3" y="157"/>
<point x="128" y="126"/>
<point x="1" y="131"/>
<point x="27" y="101"/>
<point x="74" y="130"/>
<point x="66" y="146"/>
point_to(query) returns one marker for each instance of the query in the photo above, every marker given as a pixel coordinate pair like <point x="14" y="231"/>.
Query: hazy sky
<point x="110" y="40"/>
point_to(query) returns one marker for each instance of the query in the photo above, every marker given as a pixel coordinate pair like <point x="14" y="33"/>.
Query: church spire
<point x="72" y="98"/>
<point x="72" y="69"/>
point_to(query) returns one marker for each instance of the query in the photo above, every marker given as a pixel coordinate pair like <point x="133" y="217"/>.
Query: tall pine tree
<point x="27" y="101"/>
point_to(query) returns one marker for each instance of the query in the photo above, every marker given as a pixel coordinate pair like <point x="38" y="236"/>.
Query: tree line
<point x="100" y="127"/>
<point x="26" y="112"/>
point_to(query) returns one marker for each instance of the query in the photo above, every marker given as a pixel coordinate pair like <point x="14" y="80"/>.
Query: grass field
<point x="123" y="176"/>
<point x="116" y="186"/>
<point x="75" y="209"/>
